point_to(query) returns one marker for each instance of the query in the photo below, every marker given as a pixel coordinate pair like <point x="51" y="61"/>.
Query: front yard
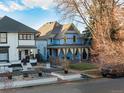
<point x="83" y="66"/>
<point x="88" y="69"/>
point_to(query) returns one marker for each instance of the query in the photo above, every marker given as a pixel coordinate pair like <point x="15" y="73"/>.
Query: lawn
<point x="83" y="66"/>
<point x="95" y="73"/>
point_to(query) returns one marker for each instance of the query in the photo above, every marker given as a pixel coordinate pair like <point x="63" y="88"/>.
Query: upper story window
<point x="74" y="39"/>
<point x="26" y="36"/>
<point x="65" y="39"/>
<point x="3" y="37"/>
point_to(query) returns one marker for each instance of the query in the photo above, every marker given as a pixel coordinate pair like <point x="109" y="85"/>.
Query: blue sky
<point x="33" y="17"/>
<point x="33" y="13"/>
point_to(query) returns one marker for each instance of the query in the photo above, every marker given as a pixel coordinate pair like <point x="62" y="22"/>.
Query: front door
<point x="23" y="54"/>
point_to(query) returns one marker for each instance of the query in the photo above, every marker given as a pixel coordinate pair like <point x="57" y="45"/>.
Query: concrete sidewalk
<point x="19" y="83"/>
<point x="28" y="83"/>
<point x="94" y="76"/>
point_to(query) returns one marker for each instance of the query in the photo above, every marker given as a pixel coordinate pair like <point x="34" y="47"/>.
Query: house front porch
<point x="27" y="52"/>
<point x="74" y="54"/>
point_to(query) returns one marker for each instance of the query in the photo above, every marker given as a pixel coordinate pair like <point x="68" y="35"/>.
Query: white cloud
<point x="45" y="4"/>
<point x="16" y="6"/>
<point x="3" y="7"/>
<point x="25" y="4"/>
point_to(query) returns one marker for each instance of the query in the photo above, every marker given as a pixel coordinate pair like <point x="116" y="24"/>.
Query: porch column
<point x="57" y="56"/>
<point x="86" y="49"/>
<point x="50" y="57"/>
<point x="22" y="54"/>
<point x="64" y="51"/>
<point x="74" y="50"/>
<point x="82" y="54"/>
<point x="65" y="62"/>
<point x="34" y="52"/>
<point x="71" y="49"/>
<point x="73" y="54"/>
<point x="67" y="50"/>
<point x="79" y="50"/>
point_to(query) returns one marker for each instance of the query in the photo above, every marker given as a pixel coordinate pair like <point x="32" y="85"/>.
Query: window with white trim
<point x="3" y="37"/>
<point x="26" y="36"/>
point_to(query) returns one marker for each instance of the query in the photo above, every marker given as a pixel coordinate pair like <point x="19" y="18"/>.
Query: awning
<point x="15" y="65"/>
<point x="68" y="46"/>
<point x="4" y="46"/>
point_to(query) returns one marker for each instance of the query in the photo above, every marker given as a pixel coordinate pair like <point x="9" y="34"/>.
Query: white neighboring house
<point x="16" y="42"/>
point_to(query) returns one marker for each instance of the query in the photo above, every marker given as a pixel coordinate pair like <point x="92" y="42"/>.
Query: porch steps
<point x="26" y="67"/>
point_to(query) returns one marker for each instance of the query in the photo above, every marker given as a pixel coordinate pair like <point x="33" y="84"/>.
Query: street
<point x="90" y="86"/>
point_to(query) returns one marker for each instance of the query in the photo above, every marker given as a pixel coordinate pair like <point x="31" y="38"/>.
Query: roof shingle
<point x="10" y="25"/>
<point x="56" y="30"/>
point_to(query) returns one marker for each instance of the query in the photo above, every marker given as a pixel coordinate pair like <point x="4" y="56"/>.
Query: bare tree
<point x="104" y="20"/>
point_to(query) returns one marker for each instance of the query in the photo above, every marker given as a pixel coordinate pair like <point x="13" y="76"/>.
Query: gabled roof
<point x="66" y="27"/>
<point x="70" y="27"/>
<point x="56" y="30"/>
<point x="48" y="28"/>
<point x="8" y="24"/>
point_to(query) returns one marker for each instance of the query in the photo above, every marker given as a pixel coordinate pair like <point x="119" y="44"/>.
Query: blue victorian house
<point x="64" y="41"/>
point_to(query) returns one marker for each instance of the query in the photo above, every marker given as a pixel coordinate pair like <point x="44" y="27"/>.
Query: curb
<point x="92" y="76"/>
<point x="28" y="83"/>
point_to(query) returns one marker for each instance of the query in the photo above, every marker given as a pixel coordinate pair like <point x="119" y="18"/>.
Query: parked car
<point x="112" y="70"/>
